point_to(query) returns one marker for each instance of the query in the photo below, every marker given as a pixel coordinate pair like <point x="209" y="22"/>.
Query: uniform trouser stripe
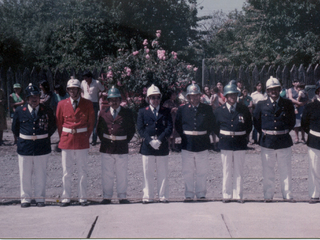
<point x="314" y="172"/>
<point x="38" y="166"/>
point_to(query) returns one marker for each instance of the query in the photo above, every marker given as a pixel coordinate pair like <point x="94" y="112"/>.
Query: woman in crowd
<point x="16" y="100"/>
<point x="46" y="97"/>
<point x="205" y="97"/>
<point x="222" y="99"/>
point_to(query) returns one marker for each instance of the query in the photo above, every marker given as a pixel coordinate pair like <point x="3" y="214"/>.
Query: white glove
<point x="155" y="144"/>
<point x="158" y="144"/>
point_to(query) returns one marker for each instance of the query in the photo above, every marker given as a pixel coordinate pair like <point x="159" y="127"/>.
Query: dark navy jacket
<point x="122" y="125"/>
<point x="238" y="121"/>
<point x="282" y="118"/>
<point x="23" y="123"/>
<point x="311" y="121"/>
<point x="149" y="126"/>
<point x="188" y="119"/>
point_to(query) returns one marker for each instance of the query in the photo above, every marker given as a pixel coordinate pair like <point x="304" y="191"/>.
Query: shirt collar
<point x="118" y="109"/>
<point x="74" y="100"/>
<point x="157" y="108"/>
<point x="274" y="101"/>
<point x="30" y="108"/>
<point x="229" y="106"/>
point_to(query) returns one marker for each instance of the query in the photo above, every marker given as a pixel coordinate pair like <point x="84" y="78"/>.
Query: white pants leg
<point x="162" y="177"/>
<point x="117" y="163"/>
<point x="79" y="156"/>
<point x="191" y="162"/>
<point x="269" y="157"/>
<point x="28" y="165"/>
<point x="148" y="164"/>
<point x="314" y="172"/>
<point x="232" y="168"/>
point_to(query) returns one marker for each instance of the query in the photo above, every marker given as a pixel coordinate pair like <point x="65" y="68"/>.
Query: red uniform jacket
<point x="122" y="125"/>
<point x="83" y="117"/>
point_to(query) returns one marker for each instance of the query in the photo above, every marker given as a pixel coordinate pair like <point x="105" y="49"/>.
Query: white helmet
<point x="272" y="83"/>
<point x="73" y="83"/>
<point x="193" y="89"/>
<point x="153" y="90"/>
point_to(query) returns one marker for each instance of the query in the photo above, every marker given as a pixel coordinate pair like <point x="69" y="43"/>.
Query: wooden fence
<point x="212" y="75"/>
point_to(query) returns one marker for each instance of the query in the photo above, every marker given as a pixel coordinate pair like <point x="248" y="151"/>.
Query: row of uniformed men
<point x="33" y="124"/>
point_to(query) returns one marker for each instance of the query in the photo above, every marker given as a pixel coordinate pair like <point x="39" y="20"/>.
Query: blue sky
<point x="224" y="5"/>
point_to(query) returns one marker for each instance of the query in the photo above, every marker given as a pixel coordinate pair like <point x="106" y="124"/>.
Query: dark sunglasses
<point x="155" y="98"/>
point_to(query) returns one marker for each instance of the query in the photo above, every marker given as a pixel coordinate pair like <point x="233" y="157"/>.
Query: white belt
<point x="230" y="133"/>
<point x="270" y="132"/>
<point x="195" y="133"/>
<point x="114" y="138"/>
<point x="33" y="137"/>
<point x="317" y="134"/>
<point x="73" y="131"/>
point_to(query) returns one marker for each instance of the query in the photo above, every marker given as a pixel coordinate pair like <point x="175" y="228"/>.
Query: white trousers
<point x="38" y="166"/>
<point x="232" y="167"/>
<point x="314" y="172"/>
<point x="149" y="164"/>
<point x="269" y="158"/>
<point x="195" y="163"/>
<point x="69" y="158"/>
<point x="118" y="164"/>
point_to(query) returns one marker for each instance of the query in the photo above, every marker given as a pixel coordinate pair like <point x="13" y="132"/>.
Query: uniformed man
<point x="195" y="122"/>
<point x="310" y="123"/>
<point x="274" y="118"/>
<point x="75" y="121"/>
<point x="233" y="126"/>
<point x="155" y="127"/>
<point x="115" y="130"/>
<point x="33" y="124"/>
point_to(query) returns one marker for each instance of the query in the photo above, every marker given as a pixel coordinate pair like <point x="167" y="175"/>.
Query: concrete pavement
<point x="174" y="220"/>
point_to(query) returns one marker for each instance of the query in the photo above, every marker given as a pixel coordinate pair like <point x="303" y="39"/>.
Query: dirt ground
<point x="9" y="174"/>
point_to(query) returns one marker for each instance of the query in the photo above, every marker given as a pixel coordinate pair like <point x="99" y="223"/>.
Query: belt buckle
<point x="232" y="133"/>
<point x="113" y="137"/>
<point x="73" y="131"/>
<point x="34" y="138"/>
<point x="195" y="133"/>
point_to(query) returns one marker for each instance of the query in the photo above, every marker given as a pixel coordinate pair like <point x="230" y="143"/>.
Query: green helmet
<point x="230" y="88"/>
<point x="114" y="93"/>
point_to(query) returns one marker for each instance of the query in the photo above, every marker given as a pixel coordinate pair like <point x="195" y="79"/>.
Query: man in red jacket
<point x="75" y="121"/>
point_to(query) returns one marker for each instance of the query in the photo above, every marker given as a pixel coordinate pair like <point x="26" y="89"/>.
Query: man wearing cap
<point x="274" y="118"/>
<point x="154" y="125"/>
<point x="115" y="129"/>
<point x="310" y="123"/>
<point x="33" y="124"/>
<point x="75" y="120"/>
<point x="194" y="123"/>
<point x="233" y="126"/>
<point x="90" y="89"/>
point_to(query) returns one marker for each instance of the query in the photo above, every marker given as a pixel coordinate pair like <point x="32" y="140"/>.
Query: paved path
<point x="173" y="220"/>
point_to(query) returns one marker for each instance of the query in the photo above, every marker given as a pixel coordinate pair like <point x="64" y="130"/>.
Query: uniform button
<point x="231" y="125"/>
<point x="275" y="127"/>
<point x="275" y="115"/>
<point x="111" y="128"/>
<point x="231" y="120"/>
<point x="34" y="134"/>
<point x="275" y="120"/>
<point x="156" y="128"/>
<point x="156" y="123"/>
<point x="111" y="141"/>
<point x="232" y="136"/>
<point x="34" y="128"/>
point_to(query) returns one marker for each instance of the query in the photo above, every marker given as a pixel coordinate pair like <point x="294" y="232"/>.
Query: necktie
<point x="75" y="104"/>
<point x="155" y="112"/>
<point x="232" y="109"/>
<point x="114" y="114"/>
<point x="33" y="113"/>
<point x="275" y="104"/>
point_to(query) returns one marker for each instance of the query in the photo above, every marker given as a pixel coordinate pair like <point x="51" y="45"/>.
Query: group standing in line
<point x="272" y="116"/>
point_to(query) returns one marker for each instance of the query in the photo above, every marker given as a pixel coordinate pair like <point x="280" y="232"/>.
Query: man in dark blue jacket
<point x="274" y="118"/>
<point x="195" y="122"/>
<point x="233" y="126"/>
<point x="155" y="127"/>
<point x="310" y="122"/>
<point x="33" y="124"/>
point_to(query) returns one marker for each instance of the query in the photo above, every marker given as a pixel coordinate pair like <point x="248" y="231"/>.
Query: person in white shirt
<point x="90" y="89"/>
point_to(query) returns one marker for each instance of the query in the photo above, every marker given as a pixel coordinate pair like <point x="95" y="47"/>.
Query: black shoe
<point x="188" y="199"/>
<point x="84" y="204"/>
<point x="202" y="199"/>
<point x="164" y="201"/>
<point x="146" y="201"/>
<point x="313" y="200"/>
<point x="291" y="200"/>
<point x="64" y="204"/>
<point x="268" y="200"/>
<point x="226" y="200"/>
<point x="25" y="205"/>
<point x="106" y="201"/>
<point x="41" y="204"/>
<point x="124" y="201"/>
<point x="240" y="201"/>
<point x="94" y="143"/>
